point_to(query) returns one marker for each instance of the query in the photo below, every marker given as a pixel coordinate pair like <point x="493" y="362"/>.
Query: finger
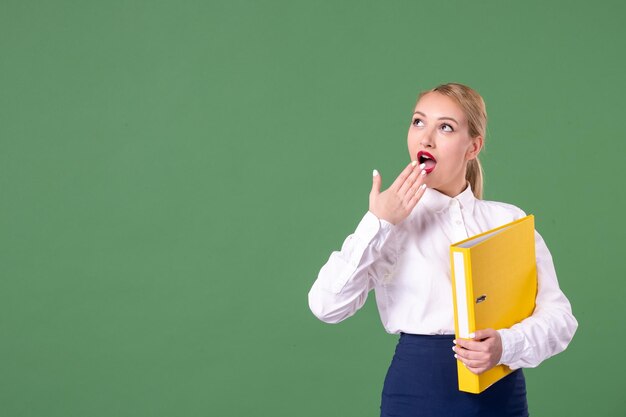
<point x="410" y="205"/>
<point x="484" y="334"/>
<point x="468" y="354"/>
<point x="479" y="370"/>
<point x="408" y="183"/>
<point x="471" y="363"/>
<point x="376" y="181"/>
<point x="415" y="188"/>
<point x="403" y="176"/>
<point x="471" y="345"/>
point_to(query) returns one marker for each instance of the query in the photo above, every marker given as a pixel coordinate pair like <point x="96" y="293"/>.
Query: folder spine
<point x="464" y="315"/>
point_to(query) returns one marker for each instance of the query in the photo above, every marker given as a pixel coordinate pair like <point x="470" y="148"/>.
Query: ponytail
<point x="475" y="177"/>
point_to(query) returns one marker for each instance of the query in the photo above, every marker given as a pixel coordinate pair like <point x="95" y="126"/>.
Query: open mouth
<point x="428" y="160"/>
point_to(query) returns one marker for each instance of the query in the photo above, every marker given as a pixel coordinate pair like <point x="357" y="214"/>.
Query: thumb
<point x="483" y="334"/>
<point x="376" y="181"/>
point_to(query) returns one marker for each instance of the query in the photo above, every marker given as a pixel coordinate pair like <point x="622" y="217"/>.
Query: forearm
<point x="550" y="328"/>
<point x="343" y="282"/>
<point x="527" y="344"/>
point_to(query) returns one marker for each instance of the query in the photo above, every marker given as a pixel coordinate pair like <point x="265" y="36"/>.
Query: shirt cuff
<point x="512" y="346"/>
<point x="370" y="226"/>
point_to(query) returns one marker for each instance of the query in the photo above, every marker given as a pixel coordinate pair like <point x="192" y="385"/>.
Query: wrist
<point x="385" y="217"/>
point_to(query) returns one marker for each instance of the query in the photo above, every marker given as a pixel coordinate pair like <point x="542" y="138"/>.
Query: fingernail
<point x="454" y="341"/>
<point x="423" y="172"/>
<point x="423" y="186"/>
<point x="422" y="166"/>
<point x="454" y="348"/>
<point x="413" y="163"/>
<point x="472" y="335"/>
<point x="456" y="356"/>
<point x="375" y="173"/>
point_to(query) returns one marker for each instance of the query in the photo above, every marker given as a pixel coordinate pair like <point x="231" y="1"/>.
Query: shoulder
<point x="500" y="208"/>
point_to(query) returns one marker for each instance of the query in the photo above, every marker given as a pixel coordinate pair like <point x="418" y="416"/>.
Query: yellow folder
<point x="494" y="285"/>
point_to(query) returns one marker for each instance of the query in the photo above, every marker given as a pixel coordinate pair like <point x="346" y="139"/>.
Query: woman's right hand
<point x="396" y="202"/>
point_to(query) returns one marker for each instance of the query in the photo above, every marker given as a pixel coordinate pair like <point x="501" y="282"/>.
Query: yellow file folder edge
<point x="464" y="317"/>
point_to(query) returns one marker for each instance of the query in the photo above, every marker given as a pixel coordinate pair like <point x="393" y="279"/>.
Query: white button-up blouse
<point x="408" y="266"/>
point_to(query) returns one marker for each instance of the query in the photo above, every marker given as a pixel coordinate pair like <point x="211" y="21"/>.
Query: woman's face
<point x="439" y="137"/>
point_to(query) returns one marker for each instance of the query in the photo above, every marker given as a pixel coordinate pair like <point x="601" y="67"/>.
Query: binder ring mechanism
<point x="481" y="299"/>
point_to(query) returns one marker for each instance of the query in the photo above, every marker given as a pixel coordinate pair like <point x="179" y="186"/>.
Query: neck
<point x="453" y="190"/>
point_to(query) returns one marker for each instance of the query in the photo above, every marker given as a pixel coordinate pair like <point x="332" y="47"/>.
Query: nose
<point x="427" y="140"/>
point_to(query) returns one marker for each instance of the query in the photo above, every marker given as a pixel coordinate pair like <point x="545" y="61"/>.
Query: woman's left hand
<point x="480" y="354"/>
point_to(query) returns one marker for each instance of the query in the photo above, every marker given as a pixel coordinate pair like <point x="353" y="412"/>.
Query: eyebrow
<point x="441" y="118"/>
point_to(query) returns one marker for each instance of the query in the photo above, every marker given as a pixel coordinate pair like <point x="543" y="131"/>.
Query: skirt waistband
<point x="426" y="339"/>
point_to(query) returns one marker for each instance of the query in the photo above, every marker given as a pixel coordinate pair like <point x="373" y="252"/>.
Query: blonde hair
<point x="475" y="110"/>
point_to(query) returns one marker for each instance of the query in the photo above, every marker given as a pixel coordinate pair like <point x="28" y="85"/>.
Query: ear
<point x="475" y="147"/>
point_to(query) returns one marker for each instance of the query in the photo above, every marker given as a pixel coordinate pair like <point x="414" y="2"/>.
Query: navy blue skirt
<point x="422" y="382"/>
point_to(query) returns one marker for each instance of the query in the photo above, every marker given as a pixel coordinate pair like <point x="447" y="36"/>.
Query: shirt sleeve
<point x="343" y="282"/>
<point x="549" y="329"/>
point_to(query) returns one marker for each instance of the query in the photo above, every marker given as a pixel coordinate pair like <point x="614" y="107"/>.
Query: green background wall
<point x="173" y="174"/>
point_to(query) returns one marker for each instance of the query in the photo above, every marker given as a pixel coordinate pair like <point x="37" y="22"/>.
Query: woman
<point x="401" y="250"/>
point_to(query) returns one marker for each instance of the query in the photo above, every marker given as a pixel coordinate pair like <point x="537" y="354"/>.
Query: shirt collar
<point x="433" y="200"/>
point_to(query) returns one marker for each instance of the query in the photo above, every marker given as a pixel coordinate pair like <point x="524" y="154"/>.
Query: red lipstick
<point x="428" y="160"/>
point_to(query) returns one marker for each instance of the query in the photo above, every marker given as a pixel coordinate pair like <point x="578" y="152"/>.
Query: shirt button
<point x="458" y="222"/>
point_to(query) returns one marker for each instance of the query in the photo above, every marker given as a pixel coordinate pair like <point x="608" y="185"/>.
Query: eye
<point x="447" y="128"/>
<point x="418" y="123"/>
